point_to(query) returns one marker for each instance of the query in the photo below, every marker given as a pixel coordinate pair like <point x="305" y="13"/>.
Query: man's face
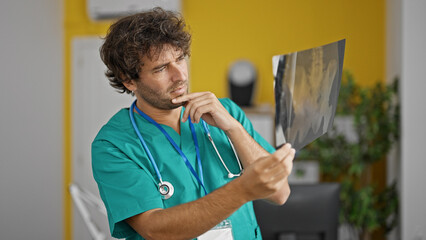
<point x="163" y="78"/>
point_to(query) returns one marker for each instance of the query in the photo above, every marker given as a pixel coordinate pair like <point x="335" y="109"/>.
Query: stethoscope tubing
<point x="150" y="157"/>
<point x="184" y="158"/>
<point x="230" y="175"/>
<point x="199" y="178"/>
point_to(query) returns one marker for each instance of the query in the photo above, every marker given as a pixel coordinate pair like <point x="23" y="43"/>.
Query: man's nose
<point x="178" y="72"/>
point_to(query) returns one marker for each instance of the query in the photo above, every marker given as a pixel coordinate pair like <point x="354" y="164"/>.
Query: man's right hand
<point x="267" y="175"/>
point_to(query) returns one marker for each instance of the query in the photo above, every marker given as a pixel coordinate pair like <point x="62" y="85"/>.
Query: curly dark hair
<point x="139" y="35"/>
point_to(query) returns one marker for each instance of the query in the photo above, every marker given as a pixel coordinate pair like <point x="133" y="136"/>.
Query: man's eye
<point x="160" y="69"/>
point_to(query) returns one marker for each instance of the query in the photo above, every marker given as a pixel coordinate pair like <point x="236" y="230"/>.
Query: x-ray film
<point x="307" y="87"/>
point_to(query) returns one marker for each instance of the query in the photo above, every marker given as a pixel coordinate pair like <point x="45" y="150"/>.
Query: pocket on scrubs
<point x="257" y="233"/>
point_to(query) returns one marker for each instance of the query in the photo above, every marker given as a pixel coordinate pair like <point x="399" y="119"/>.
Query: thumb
<point x="282" y="151"/>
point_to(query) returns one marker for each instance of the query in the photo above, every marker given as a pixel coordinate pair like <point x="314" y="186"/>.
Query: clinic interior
<point x="43" y="152"/>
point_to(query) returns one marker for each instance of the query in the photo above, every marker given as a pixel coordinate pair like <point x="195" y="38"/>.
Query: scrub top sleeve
<point x="240" y="116"/>
<point x="125" y="188"/>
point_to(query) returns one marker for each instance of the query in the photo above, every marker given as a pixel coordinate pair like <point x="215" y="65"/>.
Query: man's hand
<point x="205" y="105"/>
<point x="268" y="175"/>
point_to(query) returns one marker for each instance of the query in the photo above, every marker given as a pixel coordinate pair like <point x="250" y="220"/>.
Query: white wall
<point x="413" y="87"/>
<point x="393" y="70"/>
<point x="406" y="57"/>
<point x="31" y="119"/>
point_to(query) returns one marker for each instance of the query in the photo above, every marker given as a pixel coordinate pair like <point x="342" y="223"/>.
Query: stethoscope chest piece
<point x="166" y="189"/>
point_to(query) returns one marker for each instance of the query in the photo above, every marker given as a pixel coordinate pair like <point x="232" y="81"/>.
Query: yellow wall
<point x="224" y="31"/>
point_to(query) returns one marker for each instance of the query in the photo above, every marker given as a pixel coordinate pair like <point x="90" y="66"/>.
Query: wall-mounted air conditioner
<point x="109" y="9"/>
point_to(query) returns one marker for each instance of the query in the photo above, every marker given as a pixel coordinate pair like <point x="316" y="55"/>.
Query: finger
<point x="275" y="158"/>
<point x="283" y="149"/>
<point x="288" y="161"/>
<point x="190" y="105"/>
<point x="288" y="154"/>
<point x="282" y="152"/>
<point x="269" y="165"/>
<point x="190" y="109"/>
<point x="201" y="111"/>
<point x="276" y="181"/>
<point x="281" y="175"/>
<point x="267" y="162"/>
<point x="199" y="106"/>
<point x="282" y="166"/>
<point x="277" y="171"/>
<point x="188" y="97"/>
<point x="284" y="172"/>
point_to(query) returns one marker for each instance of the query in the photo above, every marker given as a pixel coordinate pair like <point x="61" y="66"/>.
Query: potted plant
<point x="374" y="112"/>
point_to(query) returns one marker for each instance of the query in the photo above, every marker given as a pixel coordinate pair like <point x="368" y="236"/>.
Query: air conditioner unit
<point x="110" y="9"/>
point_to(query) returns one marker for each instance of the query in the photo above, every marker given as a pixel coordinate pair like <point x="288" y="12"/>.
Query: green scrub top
<point x="127" y="181"/>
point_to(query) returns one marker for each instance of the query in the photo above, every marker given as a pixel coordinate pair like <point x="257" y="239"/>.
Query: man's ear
<point x="130" y="85"/>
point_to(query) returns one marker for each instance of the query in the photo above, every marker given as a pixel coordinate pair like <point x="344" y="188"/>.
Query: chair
<point x="81" y="197"/>
<point x="310" y="213"/>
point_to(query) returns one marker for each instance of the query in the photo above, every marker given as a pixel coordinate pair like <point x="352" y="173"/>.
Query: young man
<point x="158" y="174"/>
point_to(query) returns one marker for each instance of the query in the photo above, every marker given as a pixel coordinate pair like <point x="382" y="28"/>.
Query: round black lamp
<point x="242" y="77"/>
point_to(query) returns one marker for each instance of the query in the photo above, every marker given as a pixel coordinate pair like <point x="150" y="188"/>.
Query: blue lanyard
<point x="184" y="158"/>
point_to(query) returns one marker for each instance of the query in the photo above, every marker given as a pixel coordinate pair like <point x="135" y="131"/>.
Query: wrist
<point x="237" y="188"/>
<point x="234" y="129"/>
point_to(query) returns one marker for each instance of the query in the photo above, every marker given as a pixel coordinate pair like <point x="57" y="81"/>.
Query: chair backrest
<point x="311" y="212"/>
<point x="81" y="197"/>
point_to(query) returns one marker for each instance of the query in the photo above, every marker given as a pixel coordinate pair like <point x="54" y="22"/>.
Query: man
<point x="157" y="173"/>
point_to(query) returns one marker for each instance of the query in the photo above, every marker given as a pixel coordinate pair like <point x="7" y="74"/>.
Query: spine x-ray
<point x="307" y="87"/>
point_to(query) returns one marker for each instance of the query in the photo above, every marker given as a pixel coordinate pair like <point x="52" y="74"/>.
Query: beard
<point x="159" y="99"/>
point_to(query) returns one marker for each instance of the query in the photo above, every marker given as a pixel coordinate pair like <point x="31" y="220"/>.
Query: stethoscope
<point x="165" y="188"/>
